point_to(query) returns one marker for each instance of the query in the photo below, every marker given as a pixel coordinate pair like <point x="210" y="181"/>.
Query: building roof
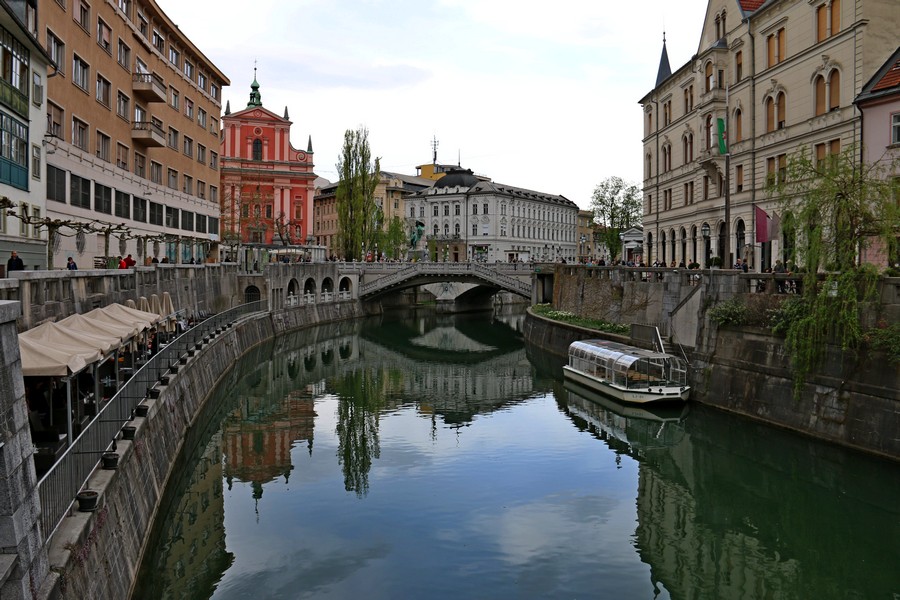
<point x="885" y="82"/>
<point x="517" y="192"/>
<point x="457" y="177"/>
<point x="665" y="71"/>
<point x="748" y="6"/>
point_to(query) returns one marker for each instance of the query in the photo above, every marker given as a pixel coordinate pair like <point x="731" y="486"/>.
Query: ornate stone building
<point x="468" y="218"/>
<point x="781" y="75"/>
<point x="267" y="184"/>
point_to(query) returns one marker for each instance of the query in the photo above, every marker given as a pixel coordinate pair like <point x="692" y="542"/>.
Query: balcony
<point x="149" y="87"/>
<point x="148" y="133"/>
<point x="13" y="98"/>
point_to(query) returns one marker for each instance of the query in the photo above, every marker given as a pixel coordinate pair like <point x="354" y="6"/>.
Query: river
<point x="434" y="456"/>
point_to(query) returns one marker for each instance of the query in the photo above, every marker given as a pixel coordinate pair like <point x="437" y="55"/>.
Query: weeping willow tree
<point x="355" y="197"/>
<point x="361" y="398"/>
<point x="838" y="208"/>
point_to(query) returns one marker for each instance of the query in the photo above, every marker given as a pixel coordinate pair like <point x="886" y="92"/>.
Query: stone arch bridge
<point x="377" y="279"/>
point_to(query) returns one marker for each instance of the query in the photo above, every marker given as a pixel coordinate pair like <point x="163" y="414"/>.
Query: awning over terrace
<point x="67" y="346"/>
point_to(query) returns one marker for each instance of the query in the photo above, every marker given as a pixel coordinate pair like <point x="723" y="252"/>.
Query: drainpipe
<point x="753" y="128"/>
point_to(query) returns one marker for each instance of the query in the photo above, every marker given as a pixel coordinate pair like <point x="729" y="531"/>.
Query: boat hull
<point x="631" y="395"/>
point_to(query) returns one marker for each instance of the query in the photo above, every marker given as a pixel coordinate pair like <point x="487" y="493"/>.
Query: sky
<point x="534" y="94"/>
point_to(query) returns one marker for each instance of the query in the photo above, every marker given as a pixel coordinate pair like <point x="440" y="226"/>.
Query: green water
<point x="436" y="457"/>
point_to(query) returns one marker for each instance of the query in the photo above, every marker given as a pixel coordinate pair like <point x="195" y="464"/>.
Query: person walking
<point x="129" y="262"/>
<point x="70" y="264"/>
<point x="14" y="263"/>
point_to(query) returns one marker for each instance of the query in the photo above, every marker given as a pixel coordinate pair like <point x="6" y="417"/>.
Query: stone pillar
<point x="24" y="564"/>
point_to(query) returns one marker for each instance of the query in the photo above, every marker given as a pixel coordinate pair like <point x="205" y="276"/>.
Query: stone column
<point x="24" y="564"/>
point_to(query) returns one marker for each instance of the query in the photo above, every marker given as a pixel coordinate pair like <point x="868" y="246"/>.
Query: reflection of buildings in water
<point x="196" y="535"/>
<point x="449" y="338"/>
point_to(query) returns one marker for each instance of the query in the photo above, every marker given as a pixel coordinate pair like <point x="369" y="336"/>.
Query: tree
<point x="617" y="205"/>
<point x="358" y="224"/>
<point x="395" y="238"/>
<point x="836" y="207"/>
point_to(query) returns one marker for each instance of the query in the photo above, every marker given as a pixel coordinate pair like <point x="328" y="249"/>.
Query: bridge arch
<point x="345" y="284"/>
<point x="293" y="287"/>
<point x="309" y="286"/>
<point x="512" y="278"/>
<point x="328" y="285"/>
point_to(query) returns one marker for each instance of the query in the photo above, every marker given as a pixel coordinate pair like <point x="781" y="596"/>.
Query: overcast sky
<point x="536" y="94"/>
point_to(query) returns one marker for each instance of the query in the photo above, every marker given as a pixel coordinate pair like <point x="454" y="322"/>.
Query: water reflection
<point x="704" y="505"/>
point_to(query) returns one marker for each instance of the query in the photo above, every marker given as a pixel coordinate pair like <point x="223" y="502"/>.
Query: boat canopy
<point x="626" y="365"/>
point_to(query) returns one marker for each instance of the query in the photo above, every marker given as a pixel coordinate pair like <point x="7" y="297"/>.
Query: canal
<point x="431" y="456"/>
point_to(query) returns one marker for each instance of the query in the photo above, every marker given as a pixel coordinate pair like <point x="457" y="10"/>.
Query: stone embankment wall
<point x="97" y="555"/>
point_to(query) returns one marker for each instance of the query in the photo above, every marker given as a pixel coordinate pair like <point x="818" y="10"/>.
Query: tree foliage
<point x="834" y="207"/>
<point x="358" y="216"/>
<point x="617" y="206"/>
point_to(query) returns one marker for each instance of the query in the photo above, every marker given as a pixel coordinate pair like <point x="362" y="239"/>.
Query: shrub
<point x="886" y="338"/>
<point x="730" y="312"/>
<point x="545" y="310"/>
<point x="790" y="311"/>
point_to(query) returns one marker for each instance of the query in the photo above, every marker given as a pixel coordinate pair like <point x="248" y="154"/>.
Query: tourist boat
<point x="627" y="373"/>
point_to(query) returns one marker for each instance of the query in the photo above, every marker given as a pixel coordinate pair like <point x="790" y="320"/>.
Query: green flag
<point x="723" y="137"/>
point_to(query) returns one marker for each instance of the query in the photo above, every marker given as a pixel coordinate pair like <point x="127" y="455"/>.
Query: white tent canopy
<point x="66" y="347"/>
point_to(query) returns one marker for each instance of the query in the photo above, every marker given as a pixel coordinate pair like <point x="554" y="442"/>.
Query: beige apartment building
<point x="133" y="134"/>
<point x="782" y="76"/>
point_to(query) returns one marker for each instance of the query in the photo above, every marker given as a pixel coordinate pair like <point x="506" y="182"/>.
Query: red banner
<point x="762" y="225"/>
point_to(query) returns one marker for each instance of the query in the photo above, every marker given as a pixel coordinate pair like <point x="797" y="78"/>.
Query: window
<point x="780" y="110"/>
<point x="214" y="160"/>
<point x="173" y="138"/>
<point x="667" y="112"/>
<point x="213" y="194"/>
<point x="474" y="228"/>
<point x="738" y="128"/>
<point x="155" y="172"/>
<point x="123" y="105"/>
<point x="485" y="207"/>
<point x="687" y="143"/>
<point x="188" y="185"/>
<point x="102" y="199"/>
<point x="446" y="210"/>
<point x="140" y="114"/>
<point x="172" y="217"/>
<point x="214" y="126"/>
<point x="155" y="213"/>
<point x="36" y="162"/>
<point x="189" y="108"/>
<point x="139" y="209"/>
<point x="82" y="15"/>
<point x="122" y="156"/>
<point x="80" y="189"/>
<point x="213" y="224"/>
<point x="412" y="210"/>
<point x="14" y="149"/>
<point x="775" y="48"/>
<point x="828" y="20"/>
<point x="667" y="199"/>
<point x="710" y="132"/>
<point x="201" y="153"/>
<point x="187" y="220"/>
<point x="173" y="179"/>
<point x="895" y="128"/>
<point x="159" y="42"/>
<point x="174" y="98"/>
<point x="738" y="66"/>
<point x="57" y="50"/>
<point x="834" y="90"/>
<point x="102" y="146"/>
<point x="214" y="91"/>
<point x="201" y="118"/>
<point x="456" y="209"/>
<point x="80" y="72"/>
<point x="140" y="66"/>
<point x="188" y="146"/>
<point x="257" y="149"/>
<point x="140" y="165"/>
<point x="79" y="133"/>
<point x="143" y="25"/>
<point x="55" y="118"/>
<point x="200" y="224"/>
<point x="201" y="190"/>
<point x="434" y="210"/>
<point x="125" y="7"/>
<point x="104" y="33"/>
<point x="709" y="78"/>
<point x="56" y="184"/>
<point x="201" y="81"/>
<point x="124" y="54"/>
<point x="739" y="178"/>
<point x="174" y="55"/>
<point x="123" y="205"/>
<point x="776" y="168"/>
<point x="474" y="209"/>
<point x="104" y="90"/>
<point x="689" y="193"/>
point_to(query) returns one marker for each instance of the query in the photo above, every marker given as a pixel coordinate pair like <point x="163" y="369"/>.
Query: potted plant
<point x="141" y="410"/>
<point x="87" y="500"/>
<point x="715" y="262"/>
<point x="128" y="432"/>
<point x="110" y="460"/>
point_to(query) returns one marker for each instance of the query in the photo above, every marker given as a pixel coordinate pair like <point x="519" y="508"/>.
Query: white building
<point x="468" y="218"/>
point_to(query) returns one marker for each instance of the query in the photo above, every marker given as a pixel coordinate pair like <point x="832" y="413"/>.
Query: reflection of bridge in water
<point x="381" y="278"/>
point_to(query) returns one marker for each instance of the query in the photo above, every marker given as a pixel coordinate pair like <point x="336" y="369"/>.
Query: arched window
<point x="738" y="133"/>
<point x="724" y="28"/>
<point x="834" y="90"/>
<point x="257" y="149"/>
<point x="770" y="114"/>
<point x="649" y="168"/>
<point x="456" y="229"/>
<point x="710" y="133"/>
<point x="435" y="229"/>
<point x="780" y="110"/>
<point x="820" y="95"/>
<point x="710" y="84"/>
<point x="718" y="27"/>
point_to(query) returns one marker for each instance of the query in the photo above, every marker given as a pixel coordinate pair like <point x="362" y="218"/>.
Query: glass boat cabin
<point x="626" y="366"/>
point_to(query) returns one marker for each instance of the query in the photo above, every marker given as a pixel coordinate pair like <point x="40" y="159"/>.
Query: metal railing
<point x="58" y="487"/>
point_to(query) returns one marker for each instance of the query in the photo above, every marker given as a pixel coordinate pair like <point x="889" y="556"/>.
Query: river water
<point x="431" y="456"/>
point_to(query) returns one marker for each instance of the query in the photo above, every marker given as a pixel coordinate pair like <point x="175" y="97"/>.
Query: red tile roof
<point x="890" y="79"/>
<point x="750" y="5"/>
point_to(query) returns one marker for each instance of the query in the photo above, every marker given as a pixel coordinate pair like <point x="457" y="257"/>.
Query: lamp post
<point x="376" y="252"/>
<point x="704" y="231"/>
<point x="581" y="252"/>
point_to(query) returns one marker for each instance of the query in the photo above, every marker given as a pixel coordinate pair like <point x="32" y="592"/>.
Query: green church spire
<point x="255" y="98"/>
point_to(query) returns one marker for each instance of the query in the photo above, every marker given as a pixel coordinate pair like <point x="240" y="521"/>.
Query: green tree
<point x="395" y="240"/>
<point x="358" y="217"/>
<point x="836" y="207"/>
<point x="617" y="205"/>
